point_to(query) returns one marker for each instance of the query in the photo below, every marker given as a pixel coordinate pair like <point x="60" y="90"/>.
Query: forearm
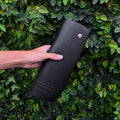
<point x="12" y="59"/>
<point x="26" y="59"/>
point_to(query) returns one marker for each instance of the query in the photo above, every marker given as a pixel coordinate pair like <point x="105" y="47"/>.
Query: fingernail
<point x="60" y="56"/>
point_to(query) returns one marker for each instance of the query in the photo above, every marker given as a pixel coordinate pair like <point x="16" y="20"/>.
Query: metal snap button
<point x="79" y="35"/>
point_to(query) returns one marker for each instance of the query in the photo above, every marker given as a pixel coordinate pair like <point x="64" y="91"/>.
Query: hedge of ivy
<point x="93" y="90"/>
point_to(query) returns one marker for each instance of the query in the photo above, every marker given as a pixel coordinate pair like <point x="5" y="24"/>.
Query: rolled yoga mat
<point x="53" y="75"/>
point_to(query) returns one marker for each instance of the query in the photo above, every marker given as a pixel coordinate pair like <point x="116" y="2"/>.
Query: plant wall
<point x="93" y="90"/>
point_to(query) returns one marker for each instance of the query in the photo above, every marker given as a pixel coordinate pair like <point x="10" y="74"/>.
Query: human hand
<point x="35" y="57"/>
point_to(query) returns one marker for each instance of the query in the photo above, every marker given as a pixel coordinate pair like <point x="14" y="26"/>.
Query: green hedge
<point x="93" y="90"/>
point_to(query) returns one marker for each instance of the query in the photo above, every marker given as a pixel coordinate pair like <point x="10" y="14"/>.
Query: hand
<point x="36" y="56"/>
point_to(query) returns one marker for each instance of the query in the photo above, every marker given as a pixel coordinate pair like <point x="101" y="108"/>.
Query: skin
<point x="26" y="59"/>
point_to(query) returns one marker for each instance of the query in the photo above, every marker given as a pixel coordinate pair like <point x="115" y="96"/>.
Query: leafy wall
<point x="93" y="90"/>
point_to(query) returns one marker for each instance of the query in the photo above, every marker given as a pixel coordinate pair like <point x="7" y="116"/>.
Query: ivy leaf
<point x="113" y="44"/>
<point x="102" y="1"/>
<point x="3" y="5"/>
<point x="116" y="112"/>
<point x="10" y="80"/>
<point x="13" y="87"/>
<point x="105" y="64"/>
<point x="112" y="65"/>
<point x="101" y="94"/>
<point x="43" y="9"/>
<point x="14" y="12"/>
<point x="15" y="97"/>
<point x="106" y="1"/>
<point x="2" y="12"/>
<point x="59" y="117"/>
<point x="94" y="2"/>
<point x="70" y="15"/>
<point x="103" y="17"/>
<point x="113" y="87"/>
<point x="2" y="27"/>
<point x="25" y="1"/>
<point x="53" y="2"/>
<point x="117" y="7"/>
<point x="78" y="64"/>
<point x="65" y="2"/>
<point x="104" y="92"/>
<point x="118" y="50"/>
<point x="59" y="3"/>
<point x="117" y="30"/>
<point x="112" y="50"/>
<point x="6" y="91"/>
<point x="83" y="4"/>
<point x="72" y="1"/>
<point x="99" y="85"/>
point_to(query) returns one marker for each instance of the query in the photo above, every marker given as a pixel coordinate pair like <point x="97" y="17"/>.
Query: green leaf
<point x="104" y="92"/>
<point x="113" y="44"/>
<point x="43" y="9"/>
<point x="6" y="91"/>
<point x="105" y="64"/>
<point x="3" y="5"/>
<point x="100" y="33"/>
<point x="70" y="15"/>
<point x="108" y="35"/>
<point x="118" y="50"/>
<point x="60" y="117"/>
<point x="59" y="3"/>
<point x="2" y="27"/>
<point x="113" y="87"/>
<point x="15" y="97"/>
<point x="53" y="2"/>
<point x="78" y="64"/>
<point x="116" y="112"/>
<point x="112" y="65"/>
<point x="14" y="12"/>
<point x="52" y="15"/>
<point x="97" y="15"/>
<point x="72" y="1"/>
<point x="117" y="30"/>
<point x="106" y="1"/>
<point x="94" y="2"/>
<point x="2" y="94"/>
<point x="103" y="17"/>
<point x="25" y="1"/>
<point x="83" y="4"/>
<point x="112" y="50"/>
<point x="99" y="85"/>
<point x="102" y="1"/>
<point x="101" y="94"/>
<point x="31" y="29"/>
<point x="10" y="80"/>
<point x="34" y="14"/>
<point x="65" y="2"/>
<point x="14" y="87"/>
<point x="2" y="12"/>
<point x="117" y="7"/>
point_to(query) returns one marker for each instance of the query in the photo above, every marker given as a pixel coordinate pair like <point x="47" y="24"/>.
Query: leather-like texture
<point x="53" y="75"/>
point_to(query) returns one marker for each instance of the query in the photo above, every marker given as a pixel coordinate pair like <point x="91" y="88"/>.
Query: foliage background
<point x="93" y="90"/>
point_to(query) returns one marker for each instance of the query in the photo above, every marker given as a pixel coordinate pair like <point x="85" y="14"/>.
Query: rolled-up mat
<point x="53" y="75"/>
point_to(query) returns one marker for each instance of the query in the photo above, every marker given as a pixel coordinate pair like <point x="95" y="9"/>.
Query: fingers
<point x="53" y="56"/>
<point x="45" y="48"/>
